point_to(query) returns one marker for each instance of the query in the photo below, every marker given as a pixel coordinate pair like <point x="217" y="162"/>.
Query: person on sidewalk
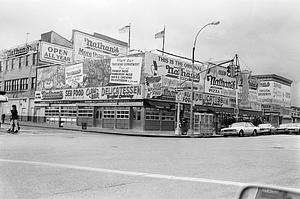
<point x="3" y="118"/>
<point x="14" y="123"/>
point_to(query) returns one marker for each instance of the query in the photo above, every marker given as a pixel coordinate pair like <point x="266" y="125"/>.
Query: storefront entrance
<point x="204" y="124"/>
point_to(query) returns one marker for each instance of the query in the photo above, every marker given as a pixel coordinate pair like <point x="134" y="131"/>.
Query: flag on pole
<point x="124" y="29"/>
<point x="160" y="34"/>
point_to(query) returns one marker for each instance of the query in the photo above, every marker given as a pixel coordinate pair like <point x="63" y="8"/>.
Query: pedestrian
<point x="3" y="118"/>
<point x="14" y="124"/>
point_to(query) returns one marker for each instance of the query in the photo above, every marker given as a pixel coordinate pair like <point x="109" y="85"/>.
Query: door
<point x="98" y="117"/>
<point x="204" y="123"/>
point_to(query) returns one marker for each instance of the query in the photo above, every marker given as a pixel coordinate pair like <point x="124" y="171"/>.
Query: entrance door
<point x="204" y="124"/>
<point x="98" y="118"/>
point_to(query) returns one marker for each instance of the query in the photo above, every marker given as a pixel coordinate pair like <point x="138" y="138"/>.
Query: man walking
<point x="14" y="124"/>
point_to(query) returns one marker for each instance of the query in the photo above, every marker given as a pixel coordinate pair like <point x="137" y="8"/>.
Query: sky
<point x="264" y="33"/>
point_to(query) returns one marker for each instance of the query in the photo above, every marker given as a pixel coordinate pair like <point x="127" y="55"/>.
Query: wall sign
<point x="55" y="53"/>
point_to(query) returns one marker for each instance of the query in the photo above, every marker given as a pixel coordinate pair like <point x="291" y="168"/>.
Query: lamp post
<point x="192" y="87"/>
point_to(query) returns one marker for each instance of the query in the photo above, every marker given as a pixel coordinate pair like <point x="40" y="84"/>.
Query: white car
<point x="267" y="129"/>
<point x="240" y="129"/>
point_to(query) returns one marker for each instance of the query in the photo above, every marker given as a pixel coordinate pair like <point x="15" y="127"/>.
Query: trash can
<point x="84" y="125"/>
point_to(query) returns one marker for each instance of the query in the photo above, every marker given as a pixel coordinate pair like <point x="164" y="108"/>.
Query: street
<point x="46" y="163"/>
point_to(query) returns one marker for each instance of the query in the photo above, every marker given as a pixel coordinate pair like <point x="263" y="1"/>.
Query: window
<point x="69" y="111"/>
<point x="52" y="111"/>
<point x="123" y="114"/>
<point x="7" y="85"/>
<point x="33" y="83"/>
<point x="24" y="84"/>
<point x="6" y="65"/>
<point x="12" y="63"/>
<point x="85" y="111"/>
<point x="34" y="59"/>
<point x="152" y="114"/>
<point x="108" y="114"/>
<point x="20" y="61"/>
<point x="26" y="60"/>
<point x="168" y="116"/>
<point x="0" y="65"/>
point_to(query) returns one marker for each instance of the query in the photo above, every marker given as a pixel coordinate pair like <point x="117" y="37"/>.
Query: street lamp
<point x="192" y="87"/>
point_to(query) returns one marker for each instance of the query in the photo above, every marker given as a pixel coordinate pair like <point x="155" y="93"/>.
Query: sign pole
<point x="178" y="129"/>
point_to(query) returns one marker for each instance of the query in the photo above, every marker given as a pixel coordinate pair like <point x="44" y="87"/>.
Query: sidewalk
<point x="128" y="132"/>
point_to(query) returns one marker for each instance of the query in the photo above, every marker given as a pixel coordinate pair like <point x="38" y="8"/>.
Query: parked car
<point x="283" y="128"/>
<point x="240" y="129"/>
<point x="267" y="129"/>
<point x="289" y="128"/>
<point x="293" y="128"/>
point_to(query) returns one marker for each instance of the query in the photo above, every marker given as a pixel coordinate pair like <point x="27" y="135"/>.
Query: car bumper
<point x="225" y="133"/>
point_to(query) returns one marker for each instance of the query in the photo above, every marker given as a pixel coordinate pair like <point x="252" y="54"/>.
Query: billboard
<point x="91" y="93"/>
<point x="87" y="46"/>
<point x="218" y="82"/>
<point x="126" y="70"/>
<point x="55" y="53"/>
<point x="89" y="73"/>
<point x="171" y="69"/>
<point x="20" y="50"/>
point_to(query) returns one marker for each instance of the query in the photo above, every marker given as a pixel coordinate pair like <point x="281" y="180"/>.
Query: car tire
<point x="241" y="133"/>
<point x="254" y="133"/>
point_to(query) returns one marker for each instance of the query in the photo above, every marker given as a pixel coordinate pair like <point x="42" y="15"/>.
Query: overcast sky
<point x="264" y="33"/>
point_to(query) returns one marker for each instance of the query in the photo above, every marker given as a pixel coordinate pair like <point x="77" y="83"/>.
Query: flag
<point x="124" y="29"/>
<point x="160" y="34"/>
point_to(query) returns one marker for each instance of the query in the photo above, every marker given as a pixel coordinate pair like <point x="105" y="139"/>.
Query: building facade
<point x="275" y="94"/>
<point x="295" y="113"/>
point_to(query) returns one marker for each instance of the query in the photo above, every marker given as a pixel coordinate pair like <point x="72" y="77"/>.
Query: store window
<point x="168" y="116"/>
<point x="152" y="114"/>
<point x="109" y="114"/>
<point x="52" y="114"/>
<point x="123" y="114"/>
<point x="85" y="111"/>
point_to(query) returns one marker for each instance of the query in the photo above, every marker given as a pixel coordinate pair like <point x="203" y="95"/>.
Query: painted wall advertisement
<point x="92" y="93"/>
<point x="55" y="53"/>
<point x="274" y="93"/>
<point x="126" y="70"/>
<point x="87" y="46"/>
<point x="218" y="82"/>
<point x="90" y="73"/>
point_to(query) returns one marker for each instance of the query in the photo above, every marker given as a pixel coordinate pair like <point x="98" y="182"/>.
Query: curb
<point x="120" y="133"/>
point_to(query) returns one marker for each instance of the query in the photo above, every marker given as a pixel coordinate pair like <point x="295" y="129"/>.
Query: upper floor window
<point x="1" y="66"/>
<point x="34" y="59"/>
<point x="12" y="63"/>
<point x="26" y="60"/>
<point x="33" y="83"/>
<point x="6" y="65"/>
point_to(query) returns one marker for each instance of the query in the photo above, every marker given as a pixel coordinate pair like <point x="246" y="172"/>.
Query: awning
<point x="3" y="98"/>
<point x="158" y="104"/>
<point x="250" y="112"/>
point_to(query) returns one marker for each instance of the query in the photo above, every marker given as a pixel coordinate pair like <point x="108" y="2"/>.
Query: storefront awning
<point x="158" y="104"/>
<point x="3" y="98"/>
<point x="250" y="112"/>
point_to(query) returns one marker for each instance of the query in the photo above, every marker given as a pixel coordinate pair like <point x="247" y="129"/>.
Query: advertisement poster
<point x="126" y="70"/>
<point x="87" y="46"/>
<point x="244" y="94"/>
<point x="55" y="53"/>
<point x="171" y="69"/>
<point x="92" y="93"/>
<point x="74" y="75"/>
<point x="218" y="82"/>
<point x="153" y="86"/>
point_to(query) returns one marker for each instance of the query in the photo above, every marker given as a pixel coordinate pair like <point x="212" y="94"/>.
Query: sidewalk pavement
<point x="128" y="132"/>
